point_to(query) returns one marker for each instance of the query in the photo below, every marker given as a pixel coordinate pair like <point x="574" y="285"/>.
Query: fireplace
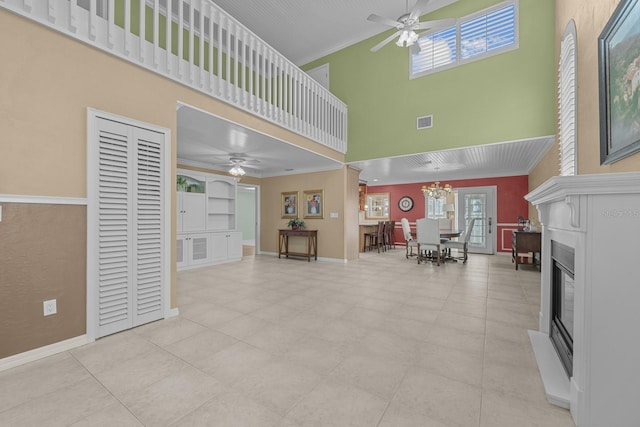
<point x="562" y="303"/>
<point x="588" y="343"/>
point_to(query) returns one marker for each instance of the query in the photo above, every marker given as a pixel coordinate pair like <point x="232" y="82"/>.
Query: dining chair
<point x="444" y="223"/>
<point x="462" y="244"/>
<point x="428" y="237"/>
<point x="408" y="237"/>
<point x="390" y="228"/>
<point x="376" y="238"/>
<point x="379" y="237"/>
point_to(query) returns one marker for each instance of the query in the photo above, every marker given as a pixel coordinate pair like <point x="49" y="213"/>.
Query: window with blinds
<point x="567" y="78"/>
<point x="485" y="33"/>
<point x="437" y="51"/>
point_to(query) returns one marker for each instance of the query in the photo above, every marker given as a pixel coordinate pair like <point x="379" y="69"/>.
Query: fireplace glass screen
<point x="562" y="303"/>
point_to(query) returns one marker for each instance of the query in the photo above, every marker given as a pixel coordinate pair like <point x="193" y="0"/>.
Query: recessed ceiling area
<point x="482" y="161"/>
<point x="208" y="141"/>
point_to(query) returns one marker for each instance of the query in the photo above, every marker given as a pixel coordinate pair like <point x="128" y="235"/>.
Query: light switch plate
<point x="334" y="214"/>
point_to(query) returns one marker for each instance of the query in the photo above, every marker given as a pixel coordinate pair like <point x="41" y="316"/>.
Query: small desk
<point x="526" y="241"/>
<point x="312" y="243"/>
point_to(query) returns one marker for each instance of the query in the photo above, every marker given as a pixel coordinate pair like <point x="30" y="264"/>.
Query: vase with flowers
<point x="295" y="223"/>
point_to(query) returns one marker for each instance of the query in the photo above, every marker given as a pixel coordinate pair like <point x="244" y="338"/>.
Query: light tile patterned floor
<point x="381" y="341"/>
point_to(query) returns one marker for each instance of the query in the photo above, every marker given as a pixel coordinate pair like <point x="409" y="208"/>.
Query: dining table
<point x="449" y="233"/>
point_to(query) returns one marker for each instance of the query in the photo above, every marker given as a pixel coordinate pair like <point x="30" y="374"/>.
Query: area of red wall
<point x="511" y="203"/>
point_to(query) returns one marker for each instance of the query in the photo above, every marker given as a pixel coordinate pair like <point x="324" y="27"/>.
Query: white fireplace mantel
<point x="599" y="217"/>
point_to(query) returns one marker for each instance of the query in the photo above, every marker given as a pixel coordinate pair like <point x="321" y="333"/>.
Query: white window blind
<point x="488" y="32"/>
<point x="567" y="74"/>
<point x="436" y="50"/>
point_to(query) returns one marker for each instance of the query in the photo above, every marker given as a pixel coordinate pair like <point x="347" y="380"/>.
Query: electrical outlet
<point x="50" y="307"/>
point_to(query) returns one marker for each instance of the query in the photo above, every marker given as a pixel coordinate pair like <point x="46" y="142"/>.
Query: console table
<point x="312" y="243"/>
<point x="526" y="241"/>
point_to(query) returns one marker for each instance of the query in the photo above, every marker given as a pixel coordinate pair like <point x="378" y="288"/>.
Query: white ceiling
<point x="304" y="30"/>
<point x="209" y="141"/>
<point x="482" y="161"/>
<point x="321" y="27"/>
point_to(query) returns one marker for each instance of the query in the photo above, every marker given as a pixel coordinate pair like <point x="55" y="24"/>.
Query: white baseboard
<point x="42" y="352"/>
<point x="173" y="312"/>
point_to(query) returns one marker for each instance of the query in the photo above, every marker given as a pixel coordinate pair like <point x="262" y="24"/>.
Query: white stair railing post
<point x="93" y="14"/>
<point x="143" y="28"/>
<point x="156" y="33"/>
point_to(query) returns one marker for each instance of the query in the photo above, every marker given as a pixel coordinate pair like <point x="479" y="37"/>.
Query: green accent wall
<point x="505" y="97"/>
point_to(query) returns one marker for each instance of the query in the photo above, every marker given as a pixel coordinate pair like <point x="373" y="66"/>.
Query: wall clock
<point x="405" y="203"/>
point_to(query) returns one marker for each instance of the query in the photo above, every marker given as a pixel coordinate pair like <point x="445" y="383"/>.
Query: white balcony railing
<point x="209" y="51"/>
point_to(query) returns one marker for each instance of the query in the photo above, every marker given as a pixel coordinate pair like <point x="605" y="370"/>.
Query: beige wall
<point x="590" y="17"/>
<point x="331" y="231"/>
<point x="47" y="82"/>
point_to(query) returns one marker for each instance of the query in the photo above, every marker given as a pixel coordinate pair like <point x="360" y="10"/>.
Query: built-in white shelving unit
<point x="206" y="209"/>
<point x="221" y="204"/>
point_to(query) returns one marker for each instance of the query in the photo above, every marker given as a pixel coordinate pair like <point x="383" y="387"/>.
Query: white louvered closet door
<point x="129" y="228"/>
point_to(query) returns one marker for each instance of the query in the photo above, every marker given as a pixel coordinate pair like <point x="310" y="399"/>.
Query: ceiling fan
<point x="407" y="25"/>
<point x="237" y="161"/>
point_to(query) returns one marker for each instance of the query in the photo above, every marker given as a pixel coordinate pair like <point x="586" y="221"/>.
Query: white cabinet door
<point x="226" y="246"/>
<point x="199" y="250"/>
<point x="218" y="247"/>
<point x="192" y="212"/>
<point x="182" y="252"/>
<point x="234" y="245"/>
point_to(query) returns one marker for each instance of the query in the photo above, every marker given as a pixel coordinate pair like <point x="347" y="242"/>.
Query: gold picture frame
<point x="289" y="204"/>
<point x="313" y="204"/>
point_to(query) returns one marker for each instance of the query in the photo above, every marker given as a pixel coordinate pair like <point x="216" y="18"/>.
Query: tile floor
<point x="381" y="341"/>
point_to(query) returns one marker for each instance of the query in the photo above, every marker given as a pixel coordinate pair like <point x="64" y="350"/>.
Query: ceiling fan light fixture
<point x="407" y="38"/>
<point x="237" y="171"/>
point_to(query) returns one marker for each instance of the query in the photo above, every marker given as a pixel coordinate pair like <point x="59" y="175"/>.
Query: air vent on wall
<point x="425" y="122"/>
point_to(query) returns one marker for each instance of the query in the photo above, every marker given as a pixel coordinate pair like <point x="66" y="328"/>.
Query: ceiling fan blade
<point x="418" y="8"/>
<point x="440" y="23"/>
<point x="385" y="41"/>
<point x="382" y="20"/>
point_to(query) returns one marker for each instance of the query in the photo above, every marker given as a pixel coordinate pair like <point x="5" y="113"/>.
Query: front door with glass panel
<point x="478" y="203"/>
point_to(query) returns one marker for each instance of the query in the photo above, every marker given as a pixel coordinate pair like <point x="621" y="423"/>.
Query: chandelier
<point x="435" y="191"/>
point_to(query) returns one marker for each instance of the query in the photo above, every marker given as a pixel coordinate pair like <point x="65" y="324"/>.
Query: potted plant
<point x="295" y="223"/>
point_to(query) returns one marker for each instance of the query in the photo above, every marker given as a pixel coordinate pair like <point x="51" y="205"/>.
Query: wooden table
<point x="312" y="243"/>
<point x="526" y="241"/>
<point x="448" y="234"/>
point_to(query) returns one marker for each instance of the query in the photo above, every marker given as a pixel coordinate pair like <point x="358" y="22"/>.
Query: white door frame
<point x="256" y="225"/>
<point x="92" y="214"/>
<point x="492" y="204"/>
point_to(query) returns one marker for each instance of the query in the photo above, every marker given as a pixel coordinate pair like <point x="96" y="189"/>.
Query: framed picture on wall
<point x="313" y="203"/>
<point x="619" y="78"/>
<point x="289" y="204"/>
